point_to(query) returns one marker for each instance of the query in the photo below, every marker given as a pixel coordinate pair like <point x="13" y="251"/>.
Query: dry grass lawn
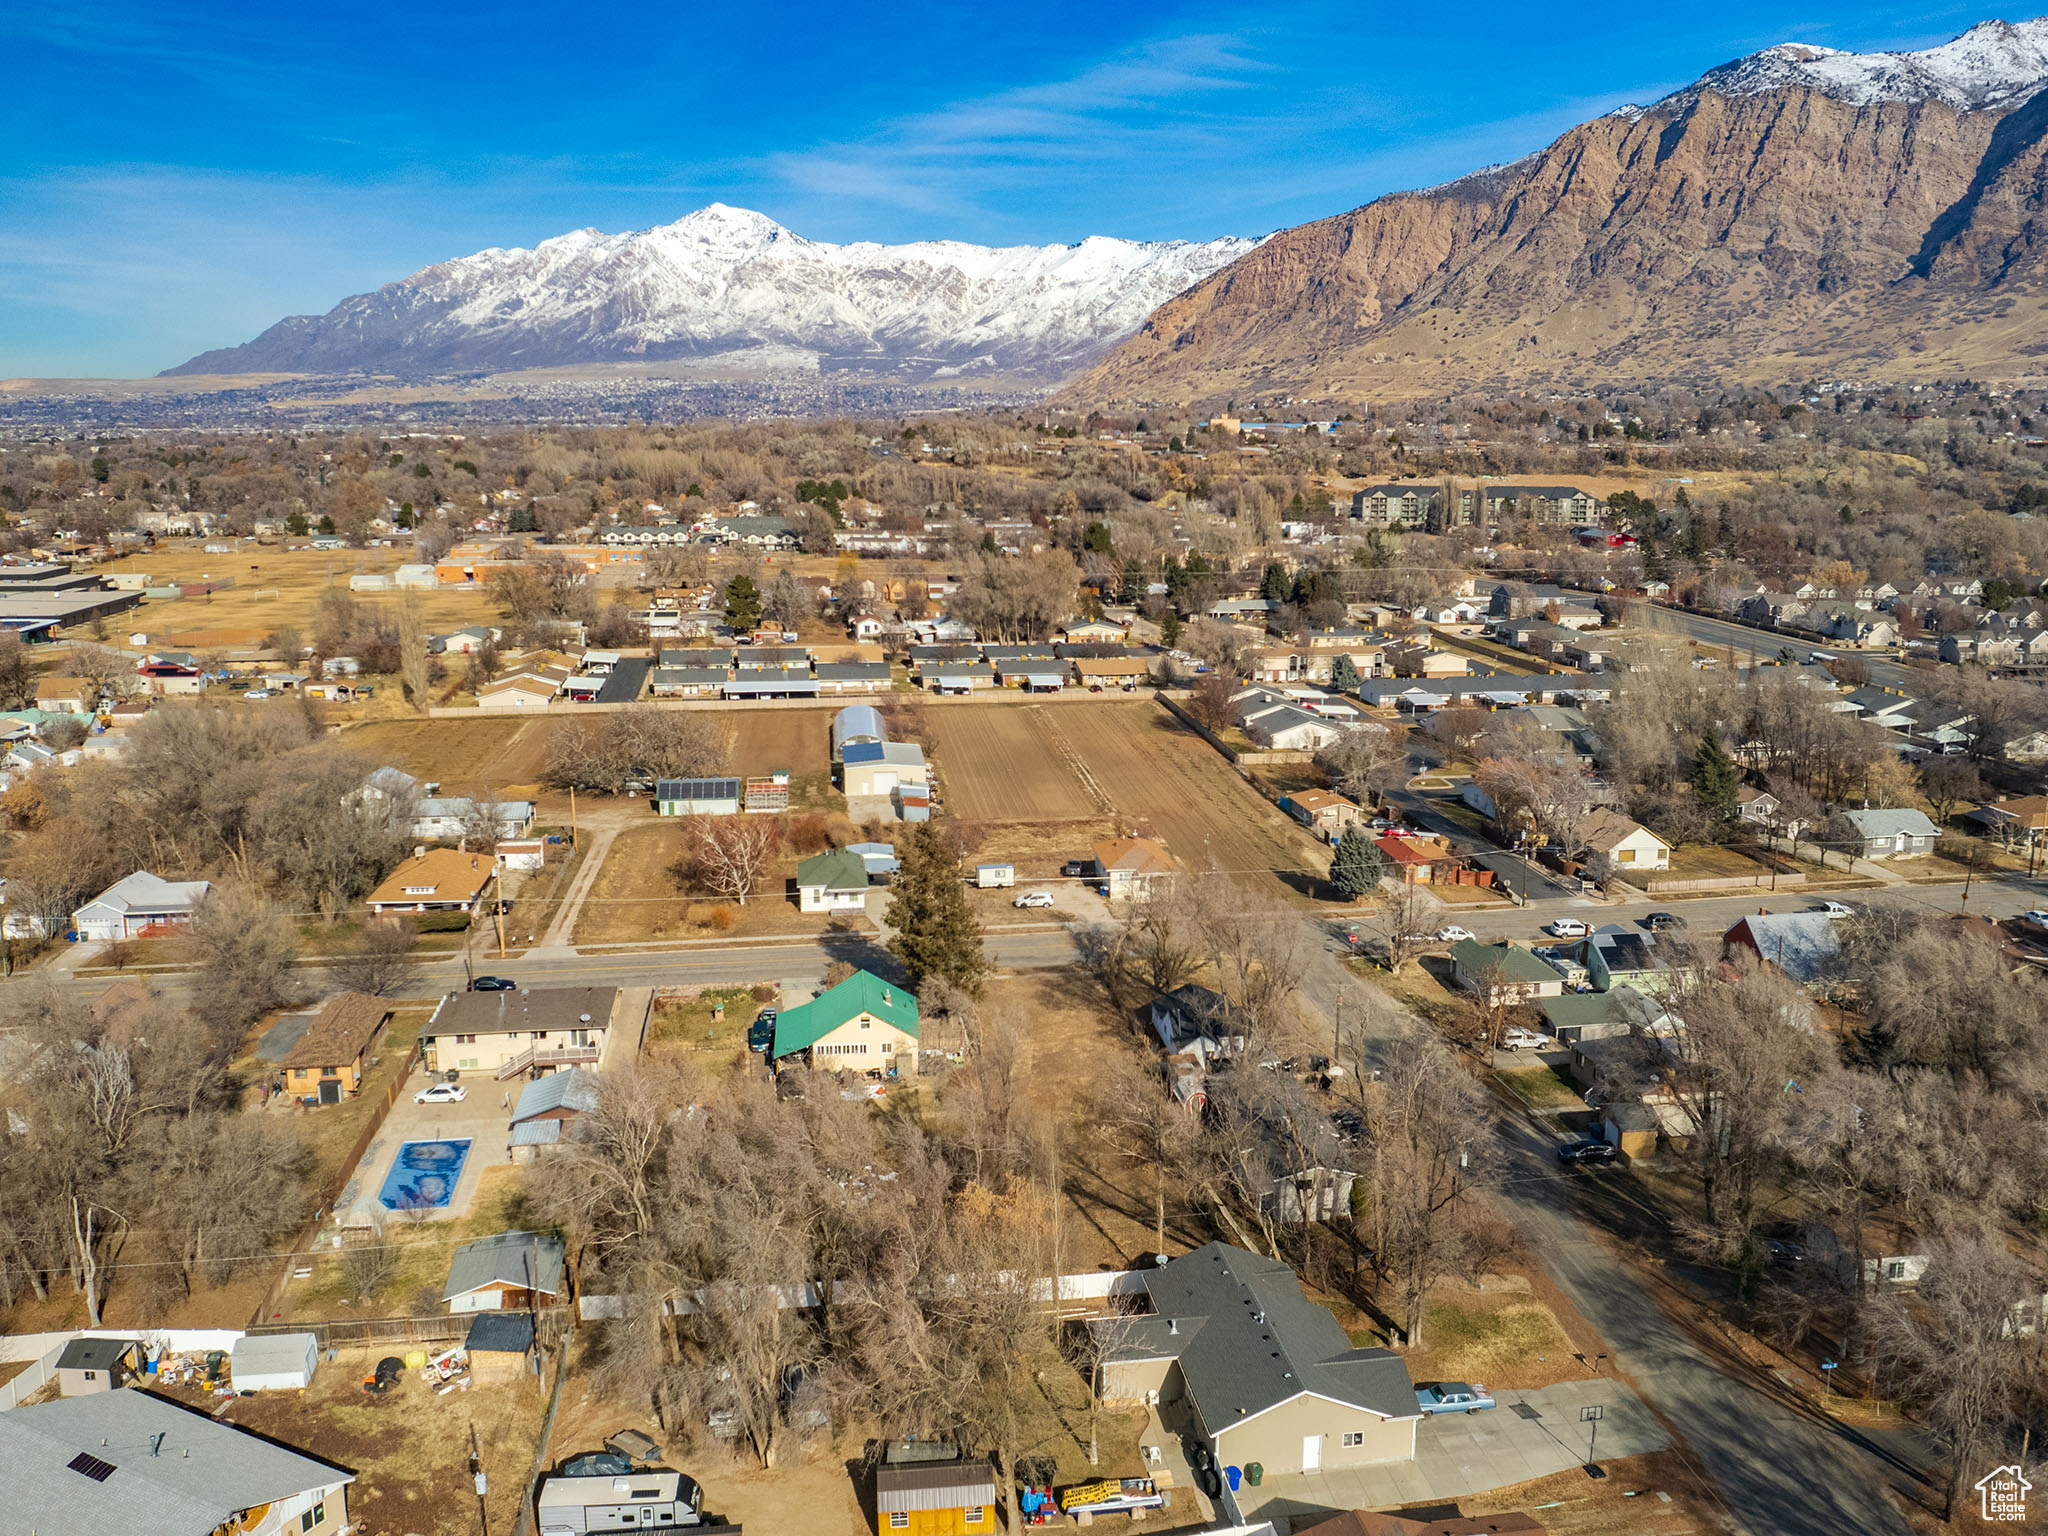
<point x="636" y="897"/>
<point x="1502" y="1337"/>
<point x="275" y="586"/>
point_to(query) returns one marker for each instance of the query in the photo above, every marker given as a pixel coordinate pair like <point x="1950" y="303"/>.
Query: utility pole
<point x="572" y="817"/>
<point x="476" y="1470"/>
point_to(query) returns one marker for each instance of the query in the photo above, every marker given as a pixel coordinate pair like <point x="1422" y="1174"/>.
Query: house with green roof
<point x="1503" y="972"/>
<point x="863" y="1024"/>
<point x="832" y="882"/>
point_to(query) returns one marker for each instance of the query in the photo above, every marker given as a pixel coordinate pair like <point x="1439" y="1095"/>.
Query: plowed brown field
<point x="1001" y="764"/>
<point x="1162" y="774"/>
<point x="1129" y="761"/>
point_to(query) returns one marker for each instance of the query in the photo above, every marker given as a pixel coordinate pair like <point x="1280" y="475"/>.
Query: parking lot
<point x="1530" y="1434"/>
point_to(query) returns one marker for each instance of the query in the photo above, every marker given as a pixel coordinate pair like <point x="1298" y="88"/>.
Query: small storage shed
<point x="935" y="1498"/>
<point x="273" y="1362"/>
<point x="500" y="1345"/>
<point x="96" y="1365"/>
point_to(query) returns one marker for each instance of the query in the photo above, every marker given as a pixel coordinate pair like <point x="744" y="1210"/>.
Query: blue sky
<point x="177" y="175"/>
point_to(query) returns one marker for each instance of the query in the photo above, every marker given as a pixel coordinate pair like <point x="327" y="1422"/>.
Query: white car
<point x="2035" y="919"/>
<point x="1453" y="934"/>
<point x="1568" y="928"/>
<point x="1523" y="1040"/>
<point x="1833" y="908"/>
<point x="1033" y="899"/>
<point x="441" y="1093"/>
<point x="257" y="693"/>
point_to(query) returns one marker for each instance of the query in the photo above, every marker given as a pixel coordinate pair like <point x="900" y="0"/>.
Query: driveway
<point x="1531" y="1434"/>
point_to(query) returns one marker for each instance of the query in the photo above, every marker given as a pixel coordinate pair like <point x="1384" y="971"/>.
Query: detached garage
<point x="273" y="1362"/>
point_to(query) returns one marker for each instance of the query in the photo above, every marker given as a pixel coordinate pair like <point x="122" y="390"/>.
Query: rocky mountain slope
<point x="728" y="286"/>
<point x="1801" y="211"/>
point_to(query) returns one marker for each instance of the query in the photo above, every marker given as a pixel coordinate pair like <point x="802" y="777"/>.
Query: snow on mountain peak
<point x="1994" y="64"/>
<point x="726" y="282"/>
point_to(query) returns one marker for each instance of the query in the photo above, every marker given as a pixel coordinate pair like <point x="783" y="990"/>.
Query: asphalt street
<point x="1719" y="634"/>
<point x="1780" y="1469"/>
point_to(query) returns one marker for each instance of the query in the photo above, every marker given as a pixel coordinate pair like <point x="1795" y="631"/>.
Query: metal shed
<point x="273" y="1362"/>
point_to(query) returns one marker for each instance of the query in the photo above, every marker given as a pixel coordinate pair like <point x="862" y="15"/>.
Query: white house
<point x="1616" y="845"/>
<point x="832" y="882"/>
<point x="137" y="902"/>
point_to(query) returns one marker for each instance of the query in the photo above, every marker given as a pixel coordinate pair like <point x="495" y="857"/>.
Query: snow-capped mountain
<point x="1993" y="64"/>
<point x="1802" y="212"/>
<point x="726" y="283"/>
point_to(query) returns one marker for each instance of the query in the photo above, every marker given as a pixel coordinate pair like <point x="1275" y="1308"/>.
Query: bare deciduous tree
<point x="730" y="852"/>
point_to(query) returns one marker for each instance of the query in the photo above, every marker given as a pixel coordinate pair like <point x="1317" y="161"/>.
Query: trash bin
<point x="1235" y="1475"/>
<point x="1255" y="1472"/>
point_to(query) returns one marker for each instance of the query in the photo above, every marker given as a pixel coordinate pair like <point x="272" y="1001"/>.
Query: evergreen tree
<point x="1344" y="675"/>
<point x="1715" y="778"/>
<point x="742" y="602"/>
<point x="1169" y="628"/>
<point x="1274" y="585"/>
<point x="1359" y="864"/>
<point x="522" y="519"/>
<point x="1133" y="585"/>
<point x="936" y="932"/>
<point x="296" y="525"/>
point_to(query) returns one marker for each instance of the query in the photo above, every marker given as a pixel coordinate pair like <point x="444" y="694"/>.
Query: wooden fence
<point x="550" y="1325"/>
<point x="342" y="1174"/>
<point x="1762" y="880"/>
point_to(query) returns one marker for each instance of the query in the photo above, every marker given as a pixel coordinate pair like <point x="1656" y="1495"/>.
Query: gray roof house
<point x="505" y="1270"/>
<point x="1801" y="944"/>
<point x="136" y="902"/>
<point x="1258" y="1371"/>
<point x="130" y="1463"/>
<point x="1194" y="1021"/>
<point x="547" y="1107"/>
<point x="1897" y="834"/>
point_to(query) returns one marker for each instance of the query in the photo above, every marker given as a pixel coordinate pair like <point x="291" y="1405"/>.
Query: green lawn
<point x="1541" y="1087"/>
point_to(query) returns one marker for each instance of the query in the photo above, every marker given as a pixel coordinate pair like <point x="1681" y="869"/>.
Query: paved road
<point x="1780" y="1470"/>
<point x="800" y="962"/>
<point x="1764" y="643"/>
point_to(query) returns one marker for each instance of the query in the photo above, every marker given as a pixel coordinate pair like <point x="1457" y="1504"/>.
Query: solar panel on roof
<point x="99" y="1471"/>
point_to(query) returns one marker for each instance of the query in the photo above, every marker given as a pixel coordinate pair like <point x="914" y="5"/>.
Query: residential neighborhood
<point x="919" y="1010"/>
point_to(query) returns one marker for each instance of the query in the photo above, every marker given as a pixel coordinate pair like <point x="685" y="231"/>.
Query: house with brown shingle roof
<point x="329" y="1061"/>
<point x="436" y="880"/>
<point x="1131" y="866"/>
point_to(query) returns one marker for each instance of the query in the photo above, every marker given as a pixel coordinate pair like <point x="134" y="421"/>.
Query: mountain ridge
<point x="726" y="281"/>
<point x="1798" y="211"/>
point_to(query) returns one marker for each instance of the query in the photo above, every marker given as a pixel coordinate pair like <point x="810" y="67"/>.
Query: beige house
<point x="863" y="1024"/>
<point x="1234" y="1354"/>
<point x="526" y="1032"/>
<point x="1616" y="845"/>
<point x="1131" y="866"/>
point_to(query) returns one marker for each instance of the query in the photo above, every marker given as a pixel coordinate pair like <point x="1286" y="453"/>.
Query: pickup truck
<point x="1452" y="1397"/>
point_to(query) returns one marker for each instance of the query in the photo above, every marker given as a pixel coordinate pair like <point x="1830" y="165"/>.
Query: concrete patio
<point x="1530" y="1434"/>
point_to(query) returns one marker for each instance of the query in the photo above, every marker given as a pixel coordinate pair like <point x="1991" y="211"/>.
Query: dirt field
<point x="275" y="586"/>
<point x="767" y="739"/>
<point x="466" y="756"/>
<point x="1116" y="765"/>
<point x="1005" y="764"/>
<point x="1164" y="777"/>
<point x="408" y="1449"/>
